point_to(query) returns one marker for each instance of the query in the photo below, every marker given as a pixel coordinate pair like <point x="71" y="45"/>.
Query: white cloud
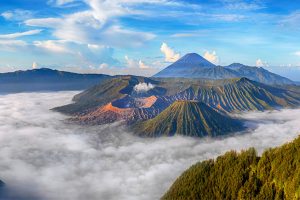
<point x="12" y="45"/>
<point x="170" y="55"/>
<point x="53" y="46"/>
<point x="143" y="87"/>
<point x="143" y="65"/>
<point x="38" y="145"/>
<point x="34" y="65"/>
<point x="17" y="15"/>
<point x="60" y="2"/>
<point x="91" y="26"/>
<point x="103" y="65"/>
<point x="190" y="34"/>
<point x="20" y="34"/>
<point x="211" y="57"/>
<point x="297" y="53"/>
<point x="131" y="63"/>
<point x="260" y="63"/>
<point x="58" y="53"/>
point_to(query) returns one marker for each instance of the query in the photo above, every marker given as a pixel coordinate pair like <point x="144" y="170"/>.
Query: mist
<point x="42" y="156"/>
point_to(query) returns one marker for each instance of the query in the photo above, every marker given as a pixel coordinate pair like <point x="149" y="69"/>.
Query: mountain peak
<point x="185" y="66"/>
<point x="194" y="59"/>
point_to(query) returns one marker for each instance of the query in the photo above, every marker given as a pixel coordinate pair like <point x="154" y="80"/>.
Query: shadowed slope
<point x="189" y="118"/>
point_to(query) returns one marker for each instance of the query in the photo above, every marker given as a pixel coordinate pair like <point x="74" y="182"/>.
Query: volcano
<point x="190" y="118"/>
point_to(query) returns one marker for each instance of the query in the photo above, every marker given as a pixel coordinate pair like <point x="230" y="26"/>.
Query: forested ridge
<point x="244" y="175"/>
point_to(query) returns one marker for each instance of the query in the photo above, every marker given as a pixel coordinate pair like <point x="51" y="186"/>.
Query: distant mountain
<point x="273" y="175"/>
<point x="195" y="66"/>
<point x="259" y="74"/>
<point x="189" y="66"/>
<point x="45" y="79"/>
<point x="2" y="184"/>
<point x="190" y="118"/>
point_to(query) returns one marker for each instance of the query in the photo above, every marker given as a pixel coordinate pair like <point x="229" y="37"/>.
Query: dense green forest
<point x="274" y="175"/>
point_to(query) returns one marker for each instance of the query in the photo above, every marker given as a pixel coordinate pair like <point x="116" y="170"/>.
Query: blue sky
<point x="143" y="36"/>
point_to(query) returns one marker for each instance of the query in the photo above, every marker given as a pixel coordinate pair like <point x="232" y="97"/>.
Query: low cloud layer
<point x="43" y="157"/>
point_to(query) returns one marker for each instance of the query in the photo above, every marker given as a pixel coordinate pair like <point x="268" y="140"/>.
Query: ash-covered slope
<point x="190" y="118"/>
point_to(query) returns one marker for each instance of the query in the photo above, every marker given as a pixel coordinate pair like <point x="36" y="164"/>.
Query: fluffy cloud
<point x="42" y="157"/>
<point x="261" y="63"/>
<point x="143" y="65"/>
<point x="211" y="57"/>
<point x="91" y="26"/>
<point x="170" y="55"/>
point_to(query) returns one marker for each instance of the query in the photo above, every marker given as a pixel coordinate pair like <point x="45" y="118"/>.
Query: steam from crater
<point x="143" y="87"/>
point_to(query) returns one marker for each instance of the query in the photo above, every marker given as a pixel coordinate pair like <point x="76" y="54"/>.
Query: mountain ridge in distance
<point x="193" y="65"/>
<point x="45" y="79"/>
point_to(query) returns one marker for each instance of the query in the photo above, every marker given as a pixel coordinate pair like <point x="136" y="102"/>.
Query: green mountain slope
<point x="189" y="118"/>
<point x="274" y="175"/>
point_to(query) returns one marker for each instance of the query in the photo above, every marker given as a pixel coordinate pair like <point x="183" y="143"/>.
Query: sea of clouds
<point x="44" y="157"/>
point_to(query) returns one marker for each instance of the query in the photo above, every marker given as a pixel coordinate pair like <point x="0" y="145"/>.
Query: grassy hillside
<point x="190" y="118"/>
<point x="274" y="175"/>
